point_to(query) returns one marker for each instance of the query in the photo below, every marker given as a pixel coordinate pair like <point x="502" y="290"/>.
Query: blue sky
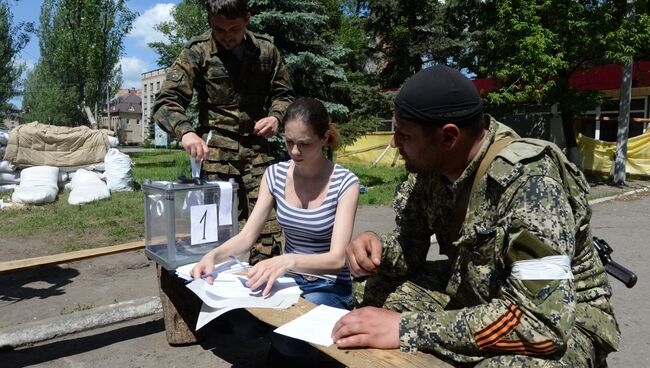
<point x="137" y="58"/>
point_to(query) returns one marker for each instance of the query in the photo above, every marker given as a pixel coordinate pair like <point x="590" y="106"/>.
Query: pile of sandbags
<point x="40" y="183"/>
<point x="9" y="175"/>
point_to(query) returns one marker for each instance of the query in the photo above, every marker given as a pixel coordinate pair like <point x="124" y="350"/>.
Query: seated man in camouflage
<point x="523" y="285"/>
<point x="243" y="90"/>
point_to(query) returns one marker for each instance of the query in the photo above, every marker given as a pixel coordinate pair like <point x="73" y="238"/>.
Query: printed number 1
<point x="203" y="218"/>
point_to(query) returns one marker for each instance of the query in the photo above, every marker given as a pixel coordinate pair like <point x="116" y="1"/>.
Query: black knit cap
<point x="438" y="95"/>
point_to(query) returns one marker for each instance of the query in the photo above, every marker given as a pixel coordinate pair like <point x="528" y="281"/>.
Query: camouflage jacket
<point x="232" y="94"/>
<point x="531" y="204"/>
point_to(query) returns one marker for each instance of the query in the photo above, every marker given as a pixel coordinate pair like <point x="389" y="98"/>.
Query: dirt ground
<point x="68" y="288"/>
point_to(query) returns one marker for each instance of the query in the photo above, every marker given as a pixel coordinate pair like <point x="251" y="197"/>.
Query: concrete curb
<point x="625" y="194"/>
<point x="32" y="332"/>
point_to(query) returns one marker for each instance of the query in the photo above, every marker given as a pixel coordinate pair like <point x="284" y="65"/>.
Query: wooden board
<point x="353" y="358"/>
<point x="23" y="264"/>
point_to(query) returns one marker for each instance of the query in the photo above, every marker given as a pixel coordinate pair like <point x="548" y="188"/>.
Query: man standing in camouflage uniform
<point x="523" y="285"/>
<point x="243" y="91"/>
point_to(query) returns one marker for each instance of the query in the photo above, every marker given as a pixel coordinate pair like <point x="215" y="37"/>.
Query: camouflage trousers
<point x="424" y="292"/>
<point x="244" y="159"/>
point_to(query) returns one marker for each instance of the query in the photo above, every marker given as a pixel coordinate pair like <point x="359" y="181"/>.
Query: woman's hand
<point x="267" y="271"/>
<point x="205" y="266"/>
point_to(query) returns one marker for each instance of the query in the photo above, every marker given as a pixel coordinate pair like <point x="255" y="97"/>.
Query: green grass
<point x="380" y="182"/>
<point x="121" y="218"/>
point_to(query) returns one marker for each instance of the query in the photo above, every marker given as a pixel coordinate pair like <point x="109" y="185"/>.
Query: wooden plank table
<point x="353" y="358"/>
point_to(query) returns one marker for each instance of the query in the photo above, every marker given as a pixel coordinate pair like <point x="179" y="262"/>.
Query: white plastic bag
<point x="7" y="167"/>
<point x="87" y="187"/>
<point x="10" y="177"/>
<point x="118" y="171"/>
<point x="38" y="185"/>
<point x="113" y="141"/>
<point x="4" y="137"/>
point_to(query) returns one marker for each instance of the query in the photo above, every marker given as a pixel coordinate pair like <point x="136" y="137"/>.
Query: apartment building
<point x="151" y="83"/>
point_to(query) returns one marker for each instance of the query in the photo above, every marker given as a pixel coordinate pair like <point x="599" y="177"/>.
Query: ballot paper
<point x="229" y="291"/>
<point x="229" y="266"/>
<point x="314" y="326"/>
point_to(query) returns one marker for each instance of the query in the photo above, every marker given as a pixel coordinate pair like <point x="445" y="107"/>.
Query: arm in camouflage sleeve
<point x="175" y="95"/>
<point x="281" y="89"/>
<point x="405" y="249"/>
<point x="529" y="316"/>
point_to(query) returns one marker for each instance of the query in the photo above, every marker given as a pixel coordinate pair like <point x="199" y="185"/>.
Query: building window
<point x="157" y="86"/>
<point x="145" y="87"/>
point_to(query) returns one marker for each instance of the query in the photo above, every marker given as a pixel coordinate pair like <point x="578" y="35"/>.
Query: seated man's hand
<point x="195" y="146"/>
<point x="368" y="327"/>
<point x="267" y="127"/>
<point x="364" y="254"/>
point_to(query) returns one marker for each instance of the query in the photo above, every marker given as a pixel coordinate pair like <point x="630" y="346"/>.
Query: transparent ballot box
<point x="184" y="221"/>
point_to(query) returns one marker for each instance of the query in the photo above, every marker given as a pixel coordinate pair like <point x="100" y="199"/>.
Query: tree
<point x="80" y="44"/>
<point x="12" y="40"/>
<point x="413" y="33"/>
<point x="531" y="48"/>
<point x="189" y="19"/>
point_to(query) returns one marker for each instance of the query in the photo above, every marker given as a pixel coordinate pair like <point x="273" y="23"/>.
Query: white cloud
<point x="132" y="68"/>
<point x="143" y="26"/>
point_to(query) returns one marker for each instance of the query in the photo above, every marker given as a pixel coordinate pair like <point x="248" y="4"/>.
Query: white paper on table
<point x="229" y="266"/>
<point x="314" y="326"/>
<point x="208" y="313"/>
<point x="229" y="290"/>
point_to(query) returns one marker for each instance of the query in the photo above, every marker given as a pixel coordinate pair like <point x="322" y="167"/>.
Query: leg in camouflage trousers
<point x="245" y="163"/>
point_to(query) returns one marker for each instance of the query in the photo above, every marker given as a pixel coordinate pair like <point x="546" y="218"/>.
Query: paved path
<point x="55" y="291"/>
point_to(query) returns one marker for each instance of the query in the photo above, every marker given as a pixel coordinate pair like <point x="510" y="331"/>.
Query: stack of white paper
<point x="230" y="266"/>
<point x="230" y="292"/>
<point x="314" y="326"/>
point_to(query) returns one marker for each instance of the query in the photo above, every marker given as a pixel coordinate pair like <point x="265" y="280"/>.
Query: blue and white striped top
<point x="309" y="231"/>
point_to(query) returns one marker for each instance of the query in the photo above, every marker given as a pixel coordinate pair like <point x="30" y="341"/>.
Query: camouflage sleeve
<point x="528" y="315"/>
<point x="175" y="95"/>
<point x="405" y="249"/>
<point x="281" y="88"/>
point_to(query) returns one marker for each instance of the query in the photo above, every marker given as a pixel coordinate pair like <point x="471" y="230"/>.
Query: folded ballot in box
<point x="183" y="221"/>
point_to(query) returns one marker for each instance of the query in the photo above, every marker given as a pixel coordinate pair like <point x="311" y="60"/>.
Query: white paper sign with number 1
<point x="203" y="220"/>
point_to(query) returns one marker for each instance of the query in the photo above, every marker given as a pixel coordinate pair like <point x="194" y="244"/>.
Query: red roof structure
<point x="598" y="78"/>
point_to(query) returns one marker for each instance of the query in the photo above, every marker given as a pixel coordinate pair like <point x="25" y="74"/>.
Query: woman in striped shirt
<point x="315" y="201"/>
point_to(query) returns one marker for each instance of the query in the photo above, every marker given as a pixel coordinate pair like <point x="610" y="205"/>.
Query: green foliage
<point x="189" y="19"/>
<point x="13" y="39"/>
<point x="80" y="44"/>
<point x="407" y="38"/>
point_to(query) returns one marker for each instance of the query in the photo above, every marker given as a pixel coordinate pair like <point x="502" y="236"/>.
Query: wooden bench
<point x="181" y="309"/>
<point x="354" y="358"/>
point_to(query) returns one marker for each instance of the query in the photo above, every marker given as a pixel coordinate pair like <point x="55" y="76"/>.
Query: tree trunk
<point x="570" y="138"/>
<point x="618" y="176"/>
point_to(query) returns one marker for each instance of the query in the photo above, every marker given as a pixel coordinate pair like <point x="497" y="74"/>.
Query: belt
<point x="304" y="277"/>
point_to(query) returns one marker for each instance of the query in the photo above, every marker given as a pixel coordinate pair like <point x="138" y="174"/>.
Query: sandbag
<point x="86" y="186"/>
<point x="10" y="177"/>
<point x="4" y="137"/>
<point x="7" y="167"/>
<point x="38" y="185"/>
<point x="118" y="171"/>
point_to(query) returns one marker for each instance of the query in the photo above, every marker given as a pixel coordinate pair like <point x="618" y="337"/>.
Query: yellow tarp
<point x="595" y="155"/>
<point x="368" y="148"/>
<point x="599" y="155"/>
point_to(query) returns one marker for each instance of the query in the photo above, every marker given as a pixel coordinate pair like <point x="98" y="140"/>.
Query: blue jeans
<point x="336" y="294"/>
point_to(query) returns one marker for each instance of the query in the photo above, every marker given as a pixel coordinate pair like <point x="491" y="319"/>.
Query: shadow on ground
<point x="42" y="284"/>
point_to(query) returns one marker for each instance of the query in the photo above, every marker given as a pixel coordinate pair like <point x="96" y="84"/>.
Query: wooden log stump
<point x="180" y="309"/>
